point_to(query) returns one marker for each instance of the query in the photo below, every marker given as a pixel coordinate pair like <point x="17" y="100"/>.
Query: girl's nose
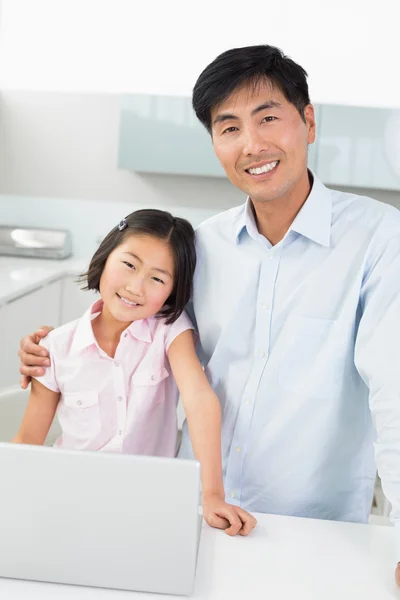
<point x="135" y="286"/>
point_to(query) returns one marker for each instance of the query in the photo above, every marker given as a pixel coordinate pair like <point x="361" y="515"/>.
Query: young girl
<point x="115" y="372"/>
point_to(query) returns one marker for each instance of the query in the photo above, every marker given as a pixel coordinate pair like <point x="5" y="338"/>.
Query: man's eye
<point x="230" y="129"/>
<point x="128" y="264"/>
<point x="269" y="119"/>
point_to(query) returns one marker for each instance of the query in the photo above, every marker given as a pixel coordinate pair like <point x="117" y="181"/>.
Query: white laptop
<point x="99" y="519"/>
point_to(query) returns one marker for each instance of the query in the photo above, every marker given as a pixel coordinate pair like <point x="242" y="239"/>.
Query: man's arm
<point x="377" y="358"/>
<point x="33" y="357"/>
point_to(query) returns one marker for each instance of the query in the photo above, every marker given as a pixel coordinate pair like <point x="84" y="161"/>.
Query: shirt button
<point x="116" y="364"/>
<point x="249" y="401"/>
<point x="79" y="402"/>
<point x="238" y="449"/>
<point x="119" y="398"/>
<point x="120" y="432"/>
<point x="152" y="378"/>
<point x="264" y="306"/>
<point x="261" y="354"/>
<point x="232" y="495"/>
<point x="125" y="335"/>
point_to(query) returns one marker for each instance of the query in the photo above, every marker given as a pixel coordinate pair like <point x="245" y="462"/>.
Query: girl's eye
<point x="158" y="280"/>
<point x="128" y="264"/>
<point x="230" y="129"/>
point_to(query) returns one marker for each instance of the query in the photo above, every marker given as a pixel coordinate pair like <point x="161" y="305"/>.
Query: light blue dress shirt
<point x="301" y="343"/>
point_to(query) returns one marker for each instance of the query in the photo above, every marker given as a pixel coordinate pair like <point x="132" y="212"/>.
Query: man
<point x="297" y="303"/>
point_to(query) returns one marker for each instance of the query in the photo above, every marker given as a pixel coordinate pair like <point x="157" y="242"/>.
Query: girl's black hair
<point x="179" y="234"/>
<point x="251" y="64"/>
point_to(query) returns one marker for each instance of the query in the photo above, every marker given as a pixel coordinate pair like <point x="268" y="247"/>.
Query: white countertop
<point x="19" y="276"/>
<point x="285" y="558"/>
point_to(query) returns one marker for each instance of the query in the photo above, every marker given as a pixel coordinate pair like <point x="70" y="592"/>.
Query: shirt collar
<point x="142" y="329"/>
<point x="313" y="220"/>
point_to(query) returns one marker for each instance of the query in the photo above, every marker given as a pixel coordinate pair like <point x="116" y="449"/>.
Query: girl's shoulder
<point x="183" y="321"/>
<point x="60" y="335"/>
<point x="168" y="332"/>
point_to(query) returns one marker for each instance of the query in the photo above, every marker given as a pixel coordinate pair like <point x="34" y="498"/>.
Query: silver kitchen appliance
<point x="35" y="242"/>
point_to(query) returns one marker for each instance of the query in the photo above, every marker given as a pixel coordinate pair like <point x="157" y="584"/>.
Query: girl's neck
<point x="107" y="331"/>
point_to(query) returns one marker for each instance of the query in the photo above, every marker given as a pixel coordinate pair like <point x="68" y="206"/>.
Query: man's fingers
<point x="31" y="353"/>
<point x="29" y="372"/>
<point x="32" y="360"/>
<point x="43" y="331"/>
<point x="24" y="382"/>
<point x="30" y="345"/>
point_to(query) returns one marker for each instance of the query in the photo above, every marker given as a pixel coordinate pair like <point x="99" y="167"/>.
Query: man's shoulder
<point x="380" y="218"/>
<point x="222" y="224"/>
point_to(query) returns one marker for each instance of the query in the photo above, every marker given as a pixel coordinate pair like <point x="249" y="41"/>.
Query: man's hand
<point x="233" y="519"/>
<point x="397" y="574"/>
<point x="33" y="356"/>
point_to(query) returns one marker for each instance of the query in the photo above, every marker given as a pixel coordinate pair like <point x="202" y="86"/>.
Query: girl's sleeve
<point x="181" y="324"/>
<point x="49" y="378"/>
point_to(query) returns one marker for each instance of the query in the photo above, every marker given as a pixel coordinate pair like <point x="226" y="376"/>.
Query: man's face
<point x="261" y="141"/>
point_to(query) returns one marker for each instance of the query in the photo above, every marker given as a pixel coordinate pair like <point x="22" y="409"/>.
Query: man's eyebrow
<point x="153" y="268"/>
<point x="266" y="106"/>
<point x="231" y="117"/>
<point x="224" y="117"/>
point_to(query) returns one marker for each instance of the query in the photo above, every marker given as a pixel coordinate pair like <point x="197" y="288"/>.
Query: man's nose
<point x="255" y="143"/>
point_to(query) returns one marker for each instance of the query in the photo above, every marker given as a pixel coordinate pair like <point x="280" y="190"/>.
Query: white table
<point x="284" y="558"/>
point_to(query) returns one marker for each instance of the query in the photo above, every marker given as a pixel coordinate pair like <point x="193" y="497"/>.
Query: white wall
<point x="349" y="47"/>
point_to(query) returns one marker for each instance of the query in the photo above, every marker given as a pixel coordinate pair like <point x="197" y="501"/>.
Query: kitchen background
<point x="95" y="121"/>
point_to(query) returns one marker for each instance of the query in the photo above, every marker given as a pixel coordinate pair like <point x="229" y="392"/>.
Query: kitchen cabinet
<point x="19" y="318"/>
<point x="359" y="147"/>
<point x="161" y="134"/>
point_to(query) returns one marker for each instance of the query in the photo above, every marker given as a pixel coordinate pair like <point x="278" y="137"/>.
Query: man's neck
<point x="274" y="218"/>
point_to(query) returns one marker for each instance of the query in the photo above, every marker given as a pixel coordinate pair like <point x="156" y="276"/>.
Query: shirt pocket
<point x="145" y="385"/>
<point x="312" y="361"/>
<point x="79" y="414"/>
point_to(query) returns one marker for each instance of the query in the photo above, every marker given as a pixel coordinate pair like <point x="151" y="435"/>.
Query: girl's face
<point x="138" y="277"/>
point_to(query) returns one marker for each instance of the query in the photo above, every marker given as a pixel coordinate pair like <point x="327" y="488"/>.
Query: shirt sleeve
<point x="377" y="359"/>
<point x="181" y="324"/>
<point x="49" y="378"/>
